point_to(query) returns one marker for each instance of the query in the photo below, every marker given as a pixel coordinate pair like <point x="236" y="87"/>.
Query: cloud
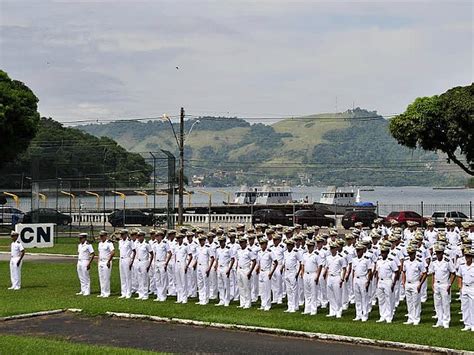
<point x="96" y="59"/>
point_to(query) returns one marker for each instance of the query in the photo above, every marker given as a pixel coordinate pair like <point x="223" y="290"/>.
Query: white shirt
<point x="181" y="253"/>
<point x="467" y="274"/>
<point x="265" y="259"/>
<point x="441" y="270"/>
<point x="335" y="264"/>
<point x="105" y="250"/>
<point x="84" y="251"/>
<point x="413" y="269"/>
<point x="361" y="266"/>
<point x="143" y="251"/>
<point x="386" y="268"/>
<point x="203" y="255"/>
<point x="245" y="258"/>
<point x="223" y="256"/>
<point x="16" y="249"/>
<point x="278" y="251"/>
<point x="126" y="248"/>
<point x="292" y="260"/>
<point x="311" y="262"/>
<point x="161" y="250"/>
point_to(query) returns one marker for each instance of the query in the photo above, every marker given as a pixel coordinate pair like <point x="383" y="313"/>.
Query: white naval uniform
<point x="466" y="272"/>
<point x="151" y="271"/>
<point x="135" y="271"/>
<point x="335" y="265"/>
<point x="84" y="251"/>
<point x="442" y="271"/>
<point x="126" y="248"/>
<point x="170" y="269"/>
<point x="202" y="262"/>
<point x="15" y="270"/>
<point x="254" y="278"/>
<point x="385" y="274"/>
<point x="311" y="263"/>
<point x="234" y="288"/>
<point x="223" y="259"/>
<point x="142" y="260"/>
<point x="266" y="259"/>
<point x="213" y="273"/>
<point x="292" y="260"/>
<point x="191" y="274"/>
<point x="431" y="237"/>
<point x="105" y="250"/>
<point x="244" y="265"/>
<point x="413" y="271"/>
<point x="322" y="289"/>
<point x="360" y="272"/>
<point x="181" y="282"/>
<point x="348" y="252"/>
<point x="161" y="251"/>
<point x="277" y="278"/>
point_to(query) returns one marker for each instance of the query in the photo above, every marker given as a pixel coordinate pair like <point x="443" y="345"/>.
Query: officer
<point x="267" y="265"/>
<point x="310" y="273"/>
<point x="162" y="254"/>
<point x="323" y="252"/>
<point x="213" y="245"/>
<point x="292" y="266"/>
<point x="192" y="277"/>
<point x="234" y="246"/>
<point x="127" y="257"/>
<point x="278" y="249"/>
<point x="413" y="277"/>
<point x="17" y="252"/>
<point x="85" y="255"/>
<point x="361" y="279"/>
<point x="466" y="275"/>
<point x="387" y="273"/>
<point x="255" y="249"/>
<point x="431" y="233"/>
<point x="336" y="267"/>
<point x="442" y="270"/>
<point x="224" y="263"/>
<point x="133" y="238"/>
<point x="106" y="254"/>
<point x="183" y="259"/>
<point x="204" y="259"/>
<point x="246" y="262"/>
<point x="143" y="261"/>
<point x="171" y="235"/>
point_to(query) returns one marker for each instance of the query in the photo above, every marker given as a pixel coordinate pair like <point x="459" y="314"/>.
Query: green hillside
<point x="350" y="147"/>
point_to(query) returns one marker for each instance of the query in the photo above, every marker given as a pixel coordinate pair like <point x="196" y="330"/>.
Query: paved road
<point x="163" y="337"/>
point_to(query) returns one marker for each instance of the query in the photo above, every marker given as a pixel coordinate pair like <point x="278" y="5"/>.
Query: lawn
<point x="53" y="286"/>
<point x="63" y="245"/>
<point x="13" y="344"/>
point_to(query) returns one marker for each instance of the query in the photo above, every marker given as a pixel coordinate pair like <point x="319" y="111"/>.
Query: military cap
<point x="340" y="242"/>
<point x="103" y="232"/>
<point x="160" y="232"/>
<point x="392" y="238"/>
<point x="393" y="222"/>
<point x="240" y="234"/>
<point x="378" y="220"/>
<point x="384" y="248"/>
<point x="124" y="231"/>
<point x="290" y="241"/>
<point x="310" y="242"/>
<point x="213" y="229"/>
<point x="366" y="242"/>
<point x="270" y="231"/>
<point x="430" y="223"/>
<point x="278" y="226"/>
<point x="189" y="234"/>
<point x="316" y="228"/>
<point x="277" y="236"/>
<point x="333" y="233"/>
<point x="411" y="249"/>
<point x="260" y="235"/>
<point x="358" y="224"/>
<point x="263" y="240"/>
<point x="319" y="239"/>
<point x="152" y="231"/>
<point x="250" y="230"/>
<point x="219" y="231"/>
<point x="179" y="235"/>
<point x="13" y="233"/>
<point x="83" y="235"/>
<point x="359" y="246"/>
<point x="202" y="237"/>
<point x="332" y="244"/>
<point x="442" y="237"/>
<point x="133" y="232"/>
<point x="374" y="234"/>
<point x="140" y="232"/>
<point x="232" y="235"/>
<point x="469" y="252"/>
<point x="325" y="235"/>
<point x="438" y="248"/>
<point x="171" y="231"/>
<point x="231" y="230"/>
<point x="419" y="237"/>
<point x="251" y="236"/>
<point x="211" y="235"/>
<point x="386" y="243"/>
<point x="297" y="225"/>
<point x="263" y="225"/>
<point x="240" y="225"/>
<point x="242" y="239"/>
<point x="297" y="237"/>
<point x="221" y="238"/>
<point x="349" y="236"/>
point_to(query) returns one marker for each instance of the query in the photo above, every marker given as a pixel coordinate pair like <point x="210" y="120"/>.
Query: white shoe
<point x="121" y="297"/>
<point x="11" y="288"/>
<point x="356" y="319"/>
<point x="380" y="320"/>
<point x="408" y="322"/>
<point x="465" y="329"/>
<point x="218" y="304"/>
<point x="330" y="315"/>
<point x="138" y="298"/>
<point x="446" y="326"/>
<point x="99" y="296"/>
<point x="78" y="293"/>
<point x="364" y="320"/>
<point x="436" y="325"/>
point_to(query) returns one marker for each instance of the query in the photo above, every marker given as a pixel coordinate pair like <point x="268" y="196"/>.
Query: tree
<point x="19" y="117"/>
<point x="444" y="123"/>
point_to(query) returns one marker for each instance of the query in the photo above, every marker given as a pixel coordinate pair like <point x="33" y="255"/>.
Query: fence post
<point x="378" y="211"/>
<point x="470" y="209"/>
<point x="421" y="205"/>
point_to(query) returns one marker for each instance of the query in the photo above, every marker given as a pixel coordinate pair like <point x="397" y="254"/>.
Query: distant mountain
<point x="353" y="147"/>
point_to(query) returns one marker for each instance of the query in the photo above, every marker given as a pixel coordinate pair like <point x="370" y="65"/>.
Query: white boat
<point x="263" y="195"/>
<point x="341" y="199"/>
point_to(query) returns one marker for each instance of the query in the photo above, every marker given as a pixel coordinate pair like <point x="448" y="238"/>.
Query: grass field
<point x="63" y="245"/>
<point x="13" y="344"/>
<point x="53" y="285"/>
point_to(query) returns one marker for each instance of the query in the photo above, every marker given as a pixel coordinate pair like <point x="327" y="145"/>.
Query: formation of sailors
<point x="313" y="268"/>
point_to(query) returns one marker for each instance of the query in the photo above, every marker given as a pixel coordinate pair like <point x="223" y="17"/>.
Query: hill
<point x="73" y="155"/>
<point x="351" y="147"/>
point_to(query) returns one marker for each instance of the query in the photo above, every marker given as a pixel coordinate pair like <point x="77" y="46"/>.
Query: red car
<point x="403" y="216"/>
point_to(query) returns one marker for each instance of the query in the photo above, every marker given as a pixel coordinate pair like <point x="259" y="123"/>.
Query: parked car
<point x="442" y="216"/>
<point x="119" y="218"/>
<point x="404" y="216"/>
<point x="47" y="215"/>
<point x="313" y="218"/>
<point x="10" y="215"/>
<point x="270" y="216"/>
<point x="351" y="217"/>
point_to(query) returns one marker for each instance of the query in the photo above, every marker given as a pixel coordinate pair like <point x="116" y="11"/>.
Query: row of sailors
<point x="314" y="271"/>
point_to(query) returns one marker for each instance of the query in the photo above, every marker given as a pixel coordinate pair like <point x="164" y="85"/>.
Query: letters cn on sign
<point x="36" y="235"/>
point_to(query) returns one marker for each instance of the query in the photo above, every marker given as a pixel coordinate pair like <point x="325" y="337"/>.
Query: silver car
<point x="8" y="215"/>
<point x="441" y="217"/>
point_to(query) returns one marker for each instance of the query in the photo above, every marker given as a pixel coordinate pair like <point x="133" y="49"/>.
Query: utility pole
<point x="181" y="168"/>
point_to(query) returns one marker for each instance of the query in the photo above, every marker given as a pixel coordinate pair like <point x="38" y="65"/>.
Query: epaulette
<point x="228" y="247"/>
<point x="390" y="259"/>
<point x="447" y="259"/>
<point x="207" y="245"/>
<point x="365" y="256"/>
<point x="346" y="252"/>
<point x="406" y="258"/>
<point x="109" y="241"/>
<point x="398" y="247"/>
<point x="418" y="260"/>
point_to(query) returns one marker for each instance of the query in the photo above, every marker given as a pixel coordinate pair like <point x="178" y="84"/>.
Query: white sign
<point x="36" y="235"/>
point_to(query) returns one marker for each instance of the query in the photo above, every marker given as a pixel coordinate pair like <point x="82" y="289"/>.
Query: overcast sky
<point x="107" y="59"/>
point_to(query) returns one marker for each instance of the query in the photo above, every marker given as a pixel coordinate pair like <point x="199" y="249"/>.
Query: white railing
<point x="90" y="218"/>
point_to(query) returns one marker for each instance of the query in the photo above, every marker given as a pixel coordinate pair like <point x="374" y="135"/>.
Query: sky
<point x="128" y="59"/>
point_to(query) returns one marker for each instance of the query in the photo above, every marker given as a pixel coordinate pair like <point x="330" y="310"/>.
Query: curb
<point x="44" y="254"/>
<point x="295" y="333"/>
<point x="31" y="315"/>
